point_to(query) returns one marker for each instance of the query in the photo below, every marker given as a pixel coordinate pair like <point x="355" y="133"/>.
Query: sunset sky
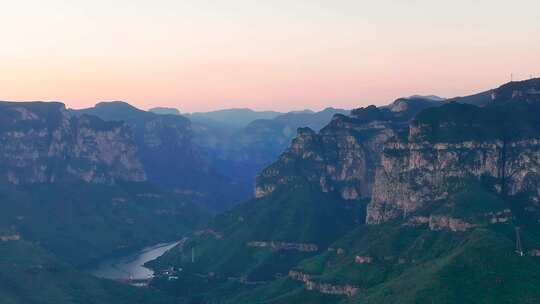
<point x="200" y="55"/>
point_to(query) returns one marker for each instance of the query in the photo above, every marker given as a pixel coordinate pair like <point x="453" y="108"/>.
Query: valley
<point x="130" y="267"/>
<point x="440" y="196"/>
<point x="269" y="152"/>
<point x="421" y="199"/>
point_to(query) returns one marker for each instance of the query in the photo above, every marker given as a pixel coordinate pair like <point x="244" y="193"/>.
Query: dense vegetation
<point x="512" y="114"/>
<point x="407" y="260"/>
<point x="245" y="255"/>
<point x="29" y="275"/>
<point x="413" y="264"/>
<point x="81" y="222"/>
<point x="302" y="214"/>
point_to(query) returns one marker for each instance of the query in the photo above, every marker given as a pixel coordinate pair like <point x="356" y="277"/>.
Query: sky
<point x="200" y="55"/>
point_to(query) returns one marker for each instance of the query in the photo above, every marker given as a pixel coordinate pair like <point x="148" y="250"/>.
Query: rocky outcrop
<point x="439" y="223"/>
<point x="496" y="217"/>
<point x="164" y="144"/>
<point x="284" y="246"/>
<point x="340" y="158"/>
<point x="343" y="156"/>
<point x="363" y="259"/>
<point x="9" y="237"/>
<point x="455" y="144"/>
<point x="415" y="173"/>
<point x="170" y="155"/>
<point x="41" y="143"/>
<point x="326" y="288"/>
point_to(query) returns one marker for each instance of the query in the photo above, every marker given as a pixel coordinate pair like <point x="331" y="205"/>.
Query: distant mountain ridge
<point x="445" y="184"/>
<point x="236" y="117"/>
<point x="166" y="148"/>
<point x="313" y="193"/>
<point x="50" y="158"/>
<point x="420" y="201"/>
<point x="214" y="159"/>
<point x="343" y="155"/>
<point x="42" y="143"/>
<point x="164" y="111"/>
<point x="499" y="141"/>
<point x="246" y="151"/>
<point x="73" y="190"/>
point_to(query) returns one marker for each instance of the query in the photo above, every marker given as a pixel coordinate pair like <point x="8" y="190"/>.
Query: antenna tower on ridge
<point x="519" y="248"/>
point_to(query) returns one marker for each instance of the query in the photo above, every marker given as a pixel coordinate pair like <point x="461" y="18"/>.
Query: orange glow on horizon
<point x="199" y="56"/>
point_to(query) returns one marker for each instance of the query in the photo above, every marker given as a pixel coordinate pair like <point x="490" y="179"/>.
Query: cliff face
<point x="163" y="142"/>
<point x="498" y="145"/>
<point x="41" y="143"/>
<point x="343" y="156"/>
<point x="170" y="157"/>
<point x="411" y="175"/>
<point x="340" y="158"/>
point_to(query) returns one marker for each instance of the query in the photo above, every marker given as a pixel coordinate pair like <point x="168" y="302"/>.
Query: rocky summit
<point x="433" y="184"/>
<point x="420" y="200"/>
<point x="270" y="152"/>
<point x="498" y="144"/>
<point x="344" y="155"/>
<point x="41" y="143"/>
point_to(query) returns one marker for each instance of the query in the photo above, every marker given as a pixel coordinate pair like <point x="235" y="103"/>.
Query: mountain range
<point x="425" y="200"/>
<point x="210" y="157"/>
<point x="422" y="201"/>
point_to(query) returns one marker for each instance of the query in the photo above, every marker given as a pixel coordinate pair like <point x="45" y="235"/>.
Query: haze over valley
<point x="277" y="152"/>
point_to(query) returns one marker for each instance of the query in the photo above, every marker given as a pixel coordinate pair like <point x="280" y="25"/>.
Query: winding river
<point x="131" y="266"/>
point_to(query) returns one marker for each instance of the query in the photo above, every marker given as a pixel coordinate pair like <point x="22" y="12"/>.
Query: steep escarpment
<point x="413" y="175"/>
<point x="343" y="156"/>
<point x="461" y="250"/>
<point x="241" y="153"/>
<point x="163" y="142"/>
<point x="447" y="146"/>
<point x="41" y="143"/>
<point x="76" y="185"/>
<point x="340" y="158"/>
<point x="454" y="212"/>
<point x="169" y="155"/>
<point x="310" y="197"/>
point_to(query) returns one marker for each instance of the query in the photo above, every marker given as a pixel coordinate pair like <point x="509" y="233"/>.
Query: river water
<point x="131" y="266"/>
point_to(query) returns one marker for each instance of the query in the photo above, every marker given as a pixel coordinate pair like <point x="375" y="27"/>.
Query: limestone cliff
<point x="343" y="156"/>
<point x="411" y="175"/>
<point x="170" y="157"/>
<point x="41" y="143"/>
<point x="340" y="158"/>
<point x="498" y="145"/>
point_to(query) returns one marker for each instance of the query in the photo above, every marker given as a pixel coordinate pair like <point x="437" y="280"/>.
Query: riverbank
<point x="129" y="268"/>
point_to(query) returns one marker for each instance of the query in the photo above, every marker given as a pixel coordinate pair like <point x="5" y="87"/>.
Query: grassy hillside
<point x="416" y="264"/>
<point x="28" y="275"/>
<point x="225" y="264"/>
<point x="82" y="222"/>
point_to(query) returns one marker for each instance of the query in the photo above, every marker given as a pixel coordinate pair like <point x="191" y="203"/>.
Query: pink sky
<point x="199" y="55"/>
